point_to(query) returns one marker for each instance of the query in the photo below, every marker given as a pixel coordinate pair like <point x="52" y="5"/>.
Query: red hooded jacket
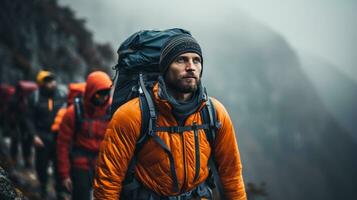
<point x="91" y="132"/>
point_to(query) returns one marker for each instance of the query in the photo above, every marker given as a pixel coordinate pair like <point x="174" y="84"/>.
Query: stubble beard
<point x="180" y="87"/>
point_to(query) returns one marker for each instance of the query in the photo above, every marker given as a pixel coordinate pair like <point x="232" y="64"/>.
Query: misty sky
<point x="323" y="28"/>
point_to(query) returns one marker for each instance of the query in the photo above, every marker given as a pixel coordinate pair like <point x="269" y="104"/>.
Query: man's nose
<point x="190" y="66"/>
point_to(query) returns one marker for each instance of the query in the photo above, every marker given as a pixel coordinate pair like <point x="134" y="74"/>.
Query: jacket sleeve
<point x="58" y="119"/>
<point x="115" y="154"/>
<point x="227" y="157"/>
<point x="64" y="140"/>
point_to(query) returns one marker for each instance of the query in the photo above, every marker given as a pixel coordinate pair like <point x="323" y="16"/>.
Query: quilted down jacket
<point x="153" y="165"/>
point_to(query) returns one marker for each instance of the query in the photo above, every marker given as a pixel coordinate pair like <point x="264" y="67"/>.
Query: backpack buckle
<point x="140" y="90"/>
<point x="151" y="132"/>
<point x="175" y="129"/>
<point x="194" y="126"/>
<point x="217" y="124"/>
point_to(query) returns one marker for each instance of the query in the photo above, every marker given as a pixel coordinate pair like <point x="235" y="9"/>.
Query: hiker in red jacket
<point x="80" y="134"/>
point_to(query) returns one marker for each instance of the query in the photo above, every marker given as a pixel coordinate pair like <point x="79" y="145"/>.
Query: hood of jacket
<point x="96" y="81"/>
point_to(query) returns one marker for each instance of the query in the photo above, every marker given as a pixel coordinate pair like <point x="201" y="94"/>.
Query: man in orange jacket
<point x="170" y="165"/>
<point x="81" y="131"/>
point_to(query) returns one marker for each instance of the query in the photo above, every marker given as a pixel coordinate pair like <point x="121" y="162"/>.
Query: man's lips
<point x="189" y="77"/>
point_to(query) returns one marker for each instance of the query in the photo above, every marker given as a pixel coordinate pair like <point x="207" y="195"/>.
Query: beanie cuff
<point x="176" y="46"/>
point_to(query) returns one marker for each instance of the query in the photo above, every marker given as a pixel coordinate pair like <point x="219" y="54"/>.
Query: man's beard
<point x="177" y="86"/>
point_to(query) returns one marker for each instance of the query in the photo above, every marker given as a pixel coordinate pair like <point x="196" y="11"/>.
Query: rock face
<point x="8" y="190"/>
<point x="40" y="34"/>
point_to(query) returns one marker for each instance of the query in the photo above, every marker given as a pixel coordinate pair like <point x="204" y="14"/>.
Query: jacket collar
<point x="164" y="107"/>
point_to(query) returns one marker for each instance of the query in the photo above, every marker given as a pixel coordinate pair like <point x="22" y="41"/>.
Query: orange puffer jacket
<point x="153" y="165"/>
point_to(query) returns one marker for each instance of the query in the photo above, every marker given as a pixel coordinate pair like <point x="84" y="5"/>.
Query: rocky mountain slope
<point x="40" y="34"/>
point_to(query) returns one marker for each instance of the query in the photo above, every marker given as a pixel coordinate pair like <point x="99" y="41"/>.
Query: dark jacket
<point x="42" y="111"/>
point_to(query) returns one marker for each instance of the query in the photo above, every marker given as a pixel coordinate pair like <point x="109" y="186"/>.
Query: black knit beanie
<point x="176" y="46"/>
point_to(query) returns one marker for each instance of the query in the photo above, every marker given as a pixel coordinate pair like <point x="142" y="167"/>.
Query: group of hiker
<point x="159" y="136"/>
<point x="44" y="117"/>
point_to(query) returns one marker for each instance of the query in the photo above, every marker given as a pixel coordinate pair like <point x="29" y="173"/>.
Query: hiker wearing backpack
<point x="18" y="116"/>
<point x="75" y="92"/>
<point x="80" y="133"/>
<point x="43" y="106"/>
<point x="172" y="141"/>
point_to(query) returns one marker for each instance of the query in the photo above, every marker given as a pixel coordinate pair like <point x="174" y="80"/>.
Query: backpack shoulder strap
<point x="209" y="115"/>
<point x="148" y="114"/>
<point x="78" y="115"/>
<point x="36" y="96"/>
<point x="148" y="130"/>
<point x="144" y="130"/>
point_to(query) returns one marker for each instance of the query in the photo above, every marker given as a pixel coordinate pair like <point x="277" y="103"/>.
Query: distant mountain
<point x="337" y="91"/>
<point x="288" y="138"/>
<point x="42" y="34"/>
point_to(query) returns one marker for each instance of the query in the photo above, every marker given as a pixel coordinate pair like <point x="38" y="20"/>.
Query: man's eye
<point x="180" y="60"/>
<point x="196" y="60"/>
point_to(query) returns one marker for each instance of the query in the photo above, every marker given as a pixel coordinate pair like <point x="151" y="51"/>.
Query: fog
<point x="325" y="28"/>
<point x="293" y="134"/>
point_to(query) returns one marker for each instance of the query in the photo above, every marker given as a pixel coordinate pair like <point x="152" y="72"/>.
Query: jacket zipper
<point x="184" y="156"/>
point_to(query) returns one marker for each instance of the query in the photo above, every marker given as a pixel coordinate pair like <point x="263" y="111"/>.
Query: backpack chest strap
<point x="180" y="129"/>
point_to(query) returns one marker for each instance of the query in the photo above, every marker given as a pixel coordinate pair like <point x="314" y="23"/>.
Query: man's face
<point x="50" y="85"/>
<point x="101" y="97"/>
<point x="183" y="75"/>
